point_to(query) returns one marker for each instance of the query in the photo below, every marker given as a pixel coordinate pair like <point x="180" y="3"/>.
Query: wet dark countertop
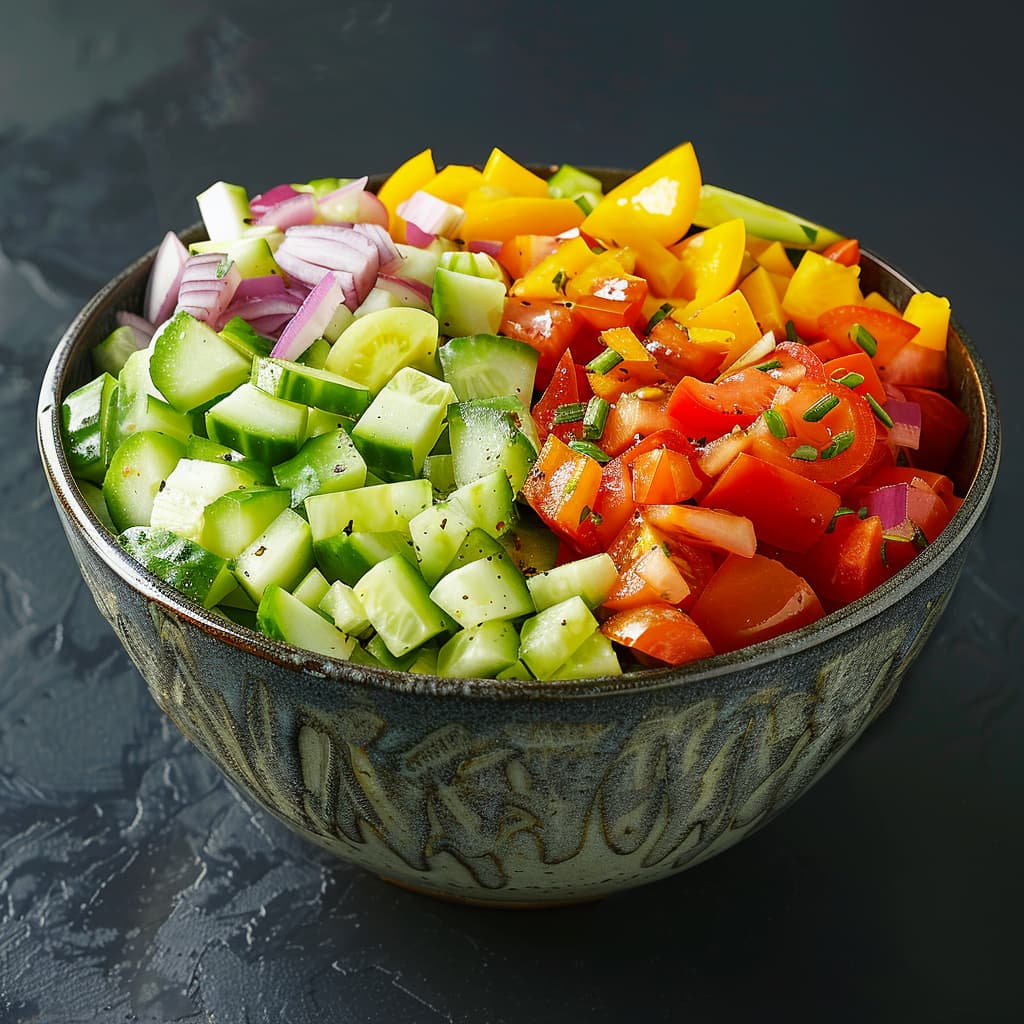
<point x="135" y="884"/>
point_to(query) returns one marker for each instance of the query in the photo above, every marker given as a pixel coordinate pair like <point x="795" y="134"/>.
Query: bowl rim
<point x="705" y="673"/>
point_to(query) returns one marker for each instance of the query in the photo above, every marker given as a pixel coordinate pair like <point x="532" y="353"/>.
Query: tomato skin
<point x="892" y="333"/>
<point x="787" y="510"/>
<point x="917" y="366"/>
<point x="633" y="417"/>
<point x="549" y="327"/>
<point x="718" y="529"/>
<point x="753" y="599"/>
<point x="943" y="426"/>
<point x="661" y="631"/>
<point x="562" y="389"/>
<point x="814" y="368"/>
<point x="678" y="356"/>
<point x="858" y="362"/>
<point x="845" y="251"/>
<point x="710" y="410"/>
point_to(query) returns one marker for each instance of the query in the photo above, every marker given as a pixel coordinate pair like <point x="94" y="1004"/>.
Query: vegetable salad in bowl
<point x="500" y="424"/>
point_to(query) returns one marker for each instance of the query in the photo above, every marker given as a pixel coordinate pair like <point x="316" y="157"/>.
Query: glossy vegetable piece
<point x="403" y="182"/>
<point x="943" y="426"/>
<point x="504" y="172"/>
<point x="660" y="631"/>
<point x="731" y="313"/>
<point x="606" y="295"/>
<point x="502" y="219"/>
<point x="888" y="332"/>
<point x="711" y="262"/>
<point x="548" y="279"/>
<point x="846" y="251"/>
<point x="547" y="326"/>
<point x="688" y="351"/>
<point x="453" y="183"/>
<point x="764" y="302"/>
<point x="819" y="284"/>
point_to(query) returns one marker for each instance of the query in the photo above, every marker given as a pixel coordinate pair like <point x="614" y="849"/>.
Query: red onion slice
<point x="299" y="209"/>
<point x="270" y="325"/>
<point x="259" y="205"/>
<point x="421" y="239"/>
<point x="207" y="288"/>
<point x="431" y="215"/>
<point x="253" y="309"/>
<point x="387" y="253"/>
<point x="165" y="279"/>
<point x="260" y="287"/>
<point x="409" y="292"/>
<point x="482" y="245"/>
<point x="906" y="423"/>
<point x="310" y="274"/>
<point x="141" y="327"/>
<point x="312" y="318"/>
<point x="891" y="505"/>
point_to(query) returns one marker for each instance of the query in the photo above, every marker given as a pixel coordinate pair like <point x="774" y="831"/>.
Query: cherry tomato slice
<point x="661" y="631"/>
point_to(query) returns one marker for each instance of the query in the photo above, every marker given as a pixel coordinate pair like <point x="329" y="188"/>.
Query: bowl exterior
<point x="517" y="801"/>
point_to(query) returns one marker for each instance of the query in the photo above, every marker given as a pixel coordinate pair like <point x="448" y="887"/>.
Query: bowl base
<point x="476" y="901"/>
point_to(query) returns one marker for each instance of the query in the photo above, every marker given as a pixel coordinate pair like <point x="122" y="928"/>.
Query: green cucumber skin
<point x="282" y="616"/>
<point x="244" y="420"/>
<point x="138" y="472"/>
<point x="349" y="556"/>
<point x="110" y="355"/>
<point x="84" y="418"/>
<point x="309" y="385"/>
<point x="485" y="365"/>
<point x="467" y="305"/>
<point x="324" y="464"/>
<point x="549" y="639"/>
<point x="196" y="572"/>
<point x="479" y="652"/>
<point x="234" y="520"/>
<point x="282" y="555"/>
<point x="205" y="450"/>
<point x="240" y="335"/>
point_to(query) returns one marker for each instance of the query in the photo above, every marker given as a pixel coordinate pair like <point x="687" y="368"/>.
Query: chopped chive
<point x="559" y="281"/>
<point x="571" y="412"/>
<point x="791" y="334"/>
<point x="594" y="417"/>
<point x="584" y="514"/>
<point x="770" y="364"/>
<point x="821" y="408"/>
<point x="839" y="444"/>
<point x="590" y="449"/>
<point x="776" y="424"/>
<point x="224" y="266"/>
<point x="862" y="512"/>
<point x="864" y="338"/>
<point x="850" y="380"/>
<point x="920" y="541"/>
<point x="879" y="411"/>
<point x="885" y="557"/>
<point x="805" y="453"/>
<point x="604" y="361"/>
<point x="837" y="515"/>
<point x="811" y="233"/>
<point x="659" y="314"/>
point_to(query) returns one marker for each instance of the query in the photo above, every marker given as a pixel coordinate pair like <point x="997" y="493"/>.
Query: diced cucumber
<point x="533" y="547"/>
<point x="437" y="534"/>
<point x="325" y="463"/>
<point x="517" y="670"/>
<point x="138" y="405"/>
<point x="191" y="364"/>
<point x="549" y="639"/>
<point x="84" y="416"/>
<point x="402" y="424"/>
<point x="240" y="616"/>
<point x="238" y="598"/>
<point x="594" y="657"/>
<point x="485" y="438"/>
<point x="179" y="504"/>
<point x="568" y="182"/>
<point x="250" y="343"/>
<point x="591" y="578"/>
<point x="485" y="589"/>
<point x="94" y="499"/>
<point x="249" y="420"/>
<point x="235" y="519"/>
<point x="479" y="652"/>
<point x="467" y="305"/>
<point x="489" y="502"/>
<point x="197" y="573"/>
<point x="312" y="589"/>
<point x="281" y="555"/>
<point x="419" y="264"/>
<point x="347" y="611"/>
<point x="320" y="186"/>
<point x="284" y="617"/>
<point x="343" y="316"/>
<point x="368" y="509"/>
<point x="319" y="422"/>
<point x="477" y="544"/>
<point x="474" y="264"/>
<point x="378" y="650"/>
<point x="395" y="296"/>
<point x="316" y="355"/>
<point x="110" y="355"/>
<point x="438" y="469"/>
<point x="138" y="472"/>
<point x="349" y="556"/>
<point x="304" y="384"/>
<point x="225" y="211"/>
<point x="398" y="605"/>
<point x="361" y="656"/>
<point x="372" y="349"/>
<point x="252" y="255"/>
<point x="484" y="365"/>
<point x="210" y="451"/>
<point x="425" y="660"/>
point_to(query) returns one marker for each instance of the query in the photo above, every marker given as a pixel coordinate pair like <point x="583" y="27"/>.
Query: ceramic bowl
<point x="508" y="792"/>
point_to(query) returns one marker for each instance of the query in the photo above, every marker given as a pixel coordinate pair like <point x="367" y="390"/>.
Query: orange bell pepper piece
<point x="411" y="176"/>
<point x="711" y="261"/>
<point x="548" y="279"/>
<point x="764" y="301"/>
<point x="503" y="171"/>
<point x="500" y="219"/>
<point x="453" y="183"/>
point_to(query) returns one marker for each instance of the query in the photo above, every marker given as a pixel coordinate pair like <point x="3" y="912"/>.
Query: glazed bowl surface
<point x="505" y="792"/>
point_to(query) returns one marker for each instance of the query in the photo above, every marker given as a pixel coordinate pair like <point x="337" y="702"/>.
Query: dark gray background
<point x="135" y="885"/>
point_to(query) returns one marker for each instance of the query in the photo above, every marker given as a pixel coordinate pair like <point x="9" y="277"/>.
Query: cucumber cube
<point x="190" y="487"/>
<point x="307" y="385"/>
<point x="517" y="670"/>
<point x="138" y="472"/>
<point x="319" y="422"/>
<point x="489" y="502"/>
<point x="112" y="352"/>
<point x="284" y="617"/>
<point x="241" y="336"/>
<point x="484" y="365"/>
<point x="398" y="605"/>
<point x="478" y="544"/>
<point x="252" y="255"/>
<point x="485" y="438"/>
<point x="553" y="636"/>
<point x="438" y="469"/>
<point x="349" y="556"/>
<point x="225" y="211"/>
<point x="236" y="519"/>
<point x="375" y="509"/>
<point x="281" y="556"/>
<point x="209" y="451"/>
<point x="594" y="657"/>
<point x="84" y="415"/>
<point x="437" y="533"/>
<point x="533" y="547"/>
<point x="324" y="464"/>
<point x="591" y="578"/>
<point x="488" y="588"/>
<point x="347" y="611"/>
<point x="402" y="424"/>
<point x="480" y="652"/>
<point x="313" y="589"/>
<point x="94" y="499"/>
<point x="467" y="305"/>
<point x="257" y="425"/>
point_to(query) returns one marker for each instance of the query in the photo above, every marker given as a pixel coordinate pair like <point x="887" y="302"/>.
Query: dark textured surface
<point x="134" y="883"/>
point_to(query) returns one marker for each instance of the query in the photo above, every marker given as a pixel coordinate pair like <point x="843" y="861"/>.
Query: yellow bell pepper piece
<point x="410" y="177"/>
<point x="780" y="283"/>
<point x="547" y="280"/>
<point x="627" y="344"/>
<point x="817" y="285"/>
<point x="662" y="269"/>
<point x="505" y="172"/>
<point x="502" y="219"/>
<point x="878" y="301"/>
<point x="711" y="261"/>
<point x="654" y="302"/>
<point x="756" y="245"/>
<point x="601" y="268"/>
<point x="931" y="314"/>
<point x="453" y="183"/>
<point x="656" y="203"/>
<point x="731" y="313"/>
<point x="764" y="301"/>
<point x="775" y="258"/>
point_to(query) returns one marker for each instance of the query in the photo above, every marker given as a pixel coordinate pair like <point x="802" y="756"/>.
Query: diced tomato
<point x="927" y="510"/>
<point x="633" y="416"/>
<point x="858" y="362"/>
<point x="845" y="563"/>
<point x="678" y="355"/>
<point x="661" y="631"/>
<point x="753" y="599"/>
<point x="938" y="482"/>
<point x="891" y="333"/>
<point x="710" y="410"/>
<point x="663" y="477"/>
<point x="943" y="426"/>
<point x="845" y="251"/>
<point x="561" y="488"/>
<point x="917" y="366"/>
<point x="674" y="440"/>
<point x="549" y="327"/>
<point x="814" y="369"/>
<point x="562" y="390"/>
<point x="718" y="529"/>
<point x="606" y="297"/>
<point x="825" y="350"/>
<point x="787" y="509"/>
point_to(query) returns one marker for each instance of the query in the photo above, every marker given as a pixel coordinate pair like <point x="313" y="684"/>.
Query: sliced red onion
<point x="252" y="309"/>
<point x="260" y="287"/>
<point x="300" y="208"/>
<point x="906" y="423"/>
<point x="353" y="204"/>
<point x="406" y="290"/>
<point x="311" y="275"/>
<point x="390" y="258"/>
<point x="307" y="252"/>
<point x="891" y="505"/>
<point x="269" y="326"/>
<point x="421" y="239"/>
<point x="141" y="327"/>
<point x="207" y="288"/>
<point x="482" y="245"/>
<point x="312" y="318"/>
<point x="259" y="205"/>
<point x="165" y="279"/>
<point x="431" y="215"/>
